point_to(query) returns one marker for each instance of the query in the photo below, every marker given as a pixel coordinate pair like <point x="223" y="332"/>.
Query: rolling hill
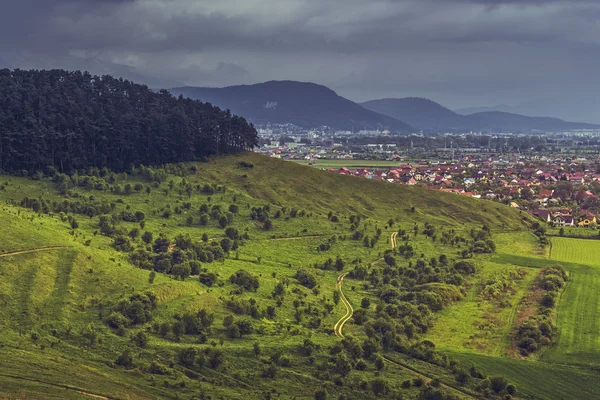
<point x="431" y="116"/>
<point x="288" y="102"/>
<point x="76" y="309"/>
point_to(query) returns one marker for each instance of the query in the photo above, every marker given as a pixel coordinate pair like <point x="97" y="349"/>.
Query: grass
<point x="571" y="363"/>
<point x="71" y="290"/>
<point x="536" y="379"/>
<point x="578" y="320"/>
<point x="481" y="326"/>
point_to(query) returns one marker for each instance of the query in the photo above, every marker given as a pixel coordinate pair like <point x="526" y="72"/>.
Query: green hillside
<point x="234" y="295"/>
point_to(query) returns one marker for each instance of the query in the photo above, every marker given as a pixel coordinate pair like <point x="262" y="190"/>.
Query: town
<point x="555" y="177"/>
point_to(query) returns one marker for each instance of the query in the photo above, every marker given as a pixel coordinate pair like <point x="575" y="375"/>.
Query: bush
<point x="207" y="278"/>
<point x="125" y="359"/>
<point x="498" y="384"/>
<point x="245" y="280"/>
<point x="305" y="278"/>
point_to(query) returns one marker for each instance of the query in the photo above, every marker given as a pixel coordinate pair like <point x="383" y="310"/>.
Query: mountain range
<point x="310" y="105"/>
<point x="431" y="116"/>
<point x="304" y="104"/>
<point x="572" y="108"/>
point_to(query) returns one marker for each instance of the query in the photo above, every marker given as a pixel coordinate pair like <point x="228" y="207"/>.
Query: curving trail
<point x="349" y="310"/>
<point x="14" y="253"/>
<point x="393" y="241"/>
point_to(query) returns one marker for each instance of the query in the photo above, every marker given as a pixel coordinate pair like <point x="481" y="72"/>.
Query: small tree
<point x="141" y="339"/>
<point x="498" y="384"/>
<point x="256" y="349"/>
<point x="268" y="225"/>
<point x="379" y="387"/>
<point x="321" y="394"/>
<point x="365" y="303"/>
<point x="125" y="359"/>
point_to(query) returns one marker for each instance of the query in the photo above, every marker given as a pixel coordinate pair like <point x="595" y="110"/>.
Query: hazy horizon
<point x="460" y="53"/>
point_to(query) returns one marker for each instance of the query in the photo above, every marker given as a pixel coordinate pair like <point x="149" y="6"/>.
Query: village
<point x="559" y="192"/>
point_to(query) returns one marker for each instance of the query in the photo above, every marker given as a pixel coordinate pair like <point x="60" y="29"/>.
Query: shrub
<point x="245" y="280"/>
<point x="305" y="278"/>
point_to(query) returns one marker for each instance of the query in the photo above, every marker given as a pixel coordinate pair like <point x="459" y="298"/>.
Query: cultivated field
<point x="579" y="309"/>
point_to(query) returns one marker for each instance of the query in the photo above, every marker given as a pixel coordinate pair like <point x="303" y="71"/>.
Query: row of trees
<point x="75" y="120"/>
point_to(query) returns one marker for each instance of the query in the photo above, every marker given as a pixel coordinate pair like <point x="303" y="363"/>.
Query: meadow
<point x="54" y="304"/>
<point x="571" y="363"/>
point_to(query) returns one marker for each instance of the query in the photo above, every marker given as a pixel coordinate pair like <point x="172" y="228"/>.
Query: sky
<point x="458" y="52"/>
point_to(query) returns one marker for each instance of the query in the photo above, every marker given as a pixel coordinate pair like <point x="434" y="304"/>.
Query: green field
<point x="52" y="302"/>
<point x="571" y="363"/>
<point x="579" y="308"/>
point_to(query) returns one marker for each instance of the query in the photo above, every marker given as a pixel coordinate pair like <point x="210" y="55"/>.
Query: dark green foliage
<point x="125" y="359"/>
<point x="187" y="356"/>
<point x="76" y="121"/>
<point x="539" y="330"/>
<point x="465" y="267"/>
<point x="245" y="280"/>
<point x="137" y="309"/>
<point x="498" y="384"/>
<point x="140" y="339"/>
<point x="380" y="387"/>
<point x="305" y="278"/>
<point x="207" y="278"/>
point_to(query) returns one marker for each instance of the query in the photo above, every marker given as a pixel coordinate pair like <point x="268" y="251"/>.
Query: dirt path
<point x="349" y="310"/>
<point x="67" y="387"/>
<point x="14" y="253"/>
<point x="394" y="243"/>
<point x="429" y="379"/>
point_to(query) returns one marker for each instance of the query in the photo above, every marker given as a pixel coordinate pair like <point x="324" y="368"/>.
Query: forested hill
<point x="74" y="120"/>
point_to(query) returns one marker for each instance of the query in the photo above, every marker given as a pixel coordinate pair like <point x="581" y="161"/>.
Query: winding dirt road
<point x="14" y="253"/>
<point x="393" y="240"/>
<point x="349" y="310"/>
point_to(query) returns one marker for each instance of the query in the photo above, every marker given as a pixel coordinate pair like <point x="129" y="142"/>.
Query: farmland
<point x="570" y="363"/>
<point x="578" y="319"/>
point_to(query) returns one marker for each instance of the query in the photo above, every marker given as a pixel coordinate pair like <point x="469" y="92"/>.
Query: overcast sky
<point x="458" y="52"/>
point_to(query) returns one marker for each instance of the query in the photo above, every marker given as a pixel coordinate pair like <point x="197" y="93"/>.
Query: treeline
<point x="539" y="330"/>
<point x="75" y="120"/>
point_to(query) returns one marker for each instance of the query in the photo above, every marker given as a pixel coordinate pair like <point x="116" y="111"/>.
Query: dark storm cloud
<point x="463" y="52"/>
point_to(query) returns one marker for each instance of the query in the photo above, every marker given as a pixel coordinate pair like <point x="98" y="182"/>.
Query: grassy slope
<point x="571" y="364"/>
<point x="63" y="289"/>
<point x="458" y="327"/>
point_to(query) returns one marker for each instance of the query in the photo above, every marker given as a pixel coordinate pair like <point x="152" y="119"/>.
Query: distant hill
<point x="423" y="113"/>
<point x="571" y="108"/>
<point x="303" y="104"/>
<point x="429" y="115"/>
